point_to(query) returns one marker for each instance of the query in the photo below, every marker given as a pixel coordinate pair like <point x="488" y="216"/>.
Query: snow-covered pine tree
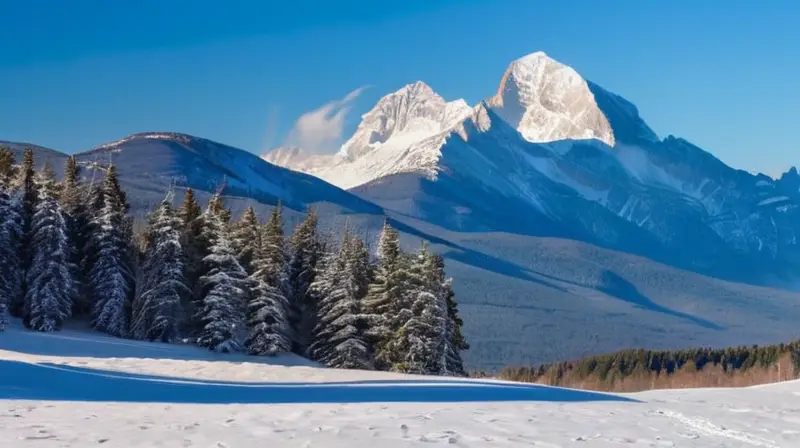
<point x="421" y="339"/>
<point x="223" y="287"/>
<point x="24" y="182"/>
<point x="216" y="205"/>
<point x="304" y="255"/>
<point x="157" y="306"/>
<point x="195" y="249"/>
<point x="274" y="251"/>
<point x="269" y="330"/>
<point x="244" y="237"/>
<point x="77" y="216"/>
<point x="92" y="204"/>
<point x="455" y="342"/>
<point x="111" y="278"/>
<point x="340" y="286"/>
<point x="50" y="289"/>
<point x="11" y="235"/>
<point x="385" y="306"/>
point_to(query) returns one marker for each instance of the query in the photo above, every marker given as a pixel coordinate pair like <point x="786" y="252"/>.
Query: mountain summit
<point x="402" y="133"/>
<point x="546" y="100"/>
<point x="413" y="113"/>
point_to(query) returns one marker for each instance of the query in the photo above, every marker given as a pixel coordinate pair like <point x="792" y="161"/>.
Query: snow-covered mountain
<point x="529" y="227"/>
<point x="148" y="163"/>
<point x="402" y="133"/>
<point x="548" y="101"/>
<point x="563" y="156"/>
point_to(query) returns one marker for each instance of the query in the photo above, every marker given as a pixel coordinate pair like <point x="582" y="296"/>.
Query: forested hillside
<point x="70" y="250"/>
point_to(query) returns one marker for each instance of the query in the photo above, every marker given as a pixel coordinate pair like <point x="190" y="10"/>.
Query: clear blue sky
<point x="73" y="75"/>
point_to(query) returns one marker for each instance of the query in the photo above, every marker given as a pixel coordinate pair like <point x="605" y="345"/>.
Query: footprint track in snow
<point x="708" y="428"/>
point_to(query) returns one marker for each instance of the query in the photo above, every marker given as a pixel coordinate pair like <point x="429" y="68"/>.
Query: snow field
<point x="76" y="389"/>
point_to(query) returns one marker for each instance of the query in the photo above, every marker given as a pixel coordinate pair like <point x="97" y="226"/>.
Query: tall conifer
<point x="50" y="288"/>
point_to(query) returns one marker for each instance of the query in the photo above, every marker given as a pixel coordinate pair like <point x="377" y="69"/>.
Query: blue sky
<point x="77" y="74"/>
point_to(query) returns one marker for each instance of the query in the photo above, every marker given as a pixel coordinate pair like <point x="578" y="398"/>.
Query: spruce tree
<point x="72" y="202"/>
<point x="421" y="339"/>
<point x="305" y="253"/>
<point x="455" y="342"/>
<point x="195" y="249"/>
<point x="244" y="237"/>
<point x="50" y="289"/>
<point x="157" y="306"/>
<point x="216" y="205"/>
<point x="223" y="287"/>
<point x="25" y="182"/>
<point x="340" y="286"/>
<point x="111" y="278"/>
<point x="11" y="235"/>
<point x="92" y="204"/>
<point x="267" y="311"/>
<point x="386" y="304"/>
<point x="274" y="251"/>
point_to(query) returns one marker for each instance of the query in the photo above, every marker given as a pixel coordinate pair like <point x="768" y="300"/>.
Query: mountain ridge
<point x="512" y="287"/>
<point x="594" y="144"/>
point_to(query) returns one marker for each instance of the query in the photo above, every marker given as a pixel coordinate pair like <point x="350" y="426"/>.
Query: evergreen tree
<point x="77" y="216"/>
<point x="92" y="203"/>
<point x="11" y="235"/>
<point x="157" y="307"/>
<point x="305" y="253"/>
<point x="8" y="171"/>
<point x="386" y="304"/>
<point x="48" y="300"/>
<point x="195" y="249"/>
<point x="25" y="182"/>
<point x="245" y="237"/>
<point x="269" y="330"/>
<point x="190" y="209"/>
<point x="216" y="205"/>
<point x="421" y="340"/>
<point x="454" y="340"/>
<point x="273" y="250"/>
<point x="111" y="278"/>
<point x="224" y="287"/>
<point x="340" y="285"/>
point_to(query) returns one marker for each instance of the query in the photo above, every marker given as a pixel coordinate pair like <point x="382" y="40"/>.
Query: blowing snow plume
<point x="320" y="130"/>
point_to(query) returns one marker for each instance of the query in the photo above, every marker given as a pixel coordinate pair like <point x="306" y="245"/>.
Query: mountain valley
<point x="569" y="226"/>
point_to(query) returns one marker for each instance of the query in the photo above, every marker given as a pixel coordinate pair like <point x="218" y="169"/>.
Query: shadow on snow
<point x="24" y="381"/>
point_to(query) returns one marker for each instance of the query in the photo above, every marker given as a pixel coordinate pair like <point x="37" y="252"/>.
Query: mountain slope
<point x="149" y="163"/>
<point x="563" y="153"/>
<point x="524" y="299"/>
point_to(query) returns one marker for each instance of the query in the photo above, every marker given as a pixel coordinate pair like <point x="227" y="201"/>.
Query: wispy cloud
<point x="320" y="130"/>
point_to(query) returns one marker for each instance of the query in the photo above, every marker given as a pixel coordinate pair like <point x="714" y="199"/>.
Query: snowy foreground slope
<point x="75" y="389"/>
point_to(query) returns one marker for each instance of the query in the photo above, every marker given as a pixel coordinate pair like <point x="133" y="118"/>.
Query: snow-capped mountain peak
<point x="410" y="114"/>
<point x="546" y="100"/>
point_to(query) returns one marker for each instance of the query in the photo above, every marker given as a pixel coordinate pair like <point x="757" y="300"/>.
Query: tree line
<point x="69" y="250"/>
<point x="621" y="365"/>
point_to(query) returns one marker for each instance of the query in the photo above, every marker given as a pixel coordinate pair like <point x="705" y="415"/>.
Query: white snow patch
<point x="69" y="389"/>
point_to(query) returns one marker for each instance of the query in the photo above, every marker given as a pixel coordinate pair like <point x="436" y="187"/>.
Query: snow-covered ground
<point x="75" y="389"/>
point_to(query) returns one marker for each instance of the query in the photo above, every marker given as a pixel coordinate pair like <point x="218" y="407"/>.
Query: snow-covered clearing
<point x="75" y="389"/>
